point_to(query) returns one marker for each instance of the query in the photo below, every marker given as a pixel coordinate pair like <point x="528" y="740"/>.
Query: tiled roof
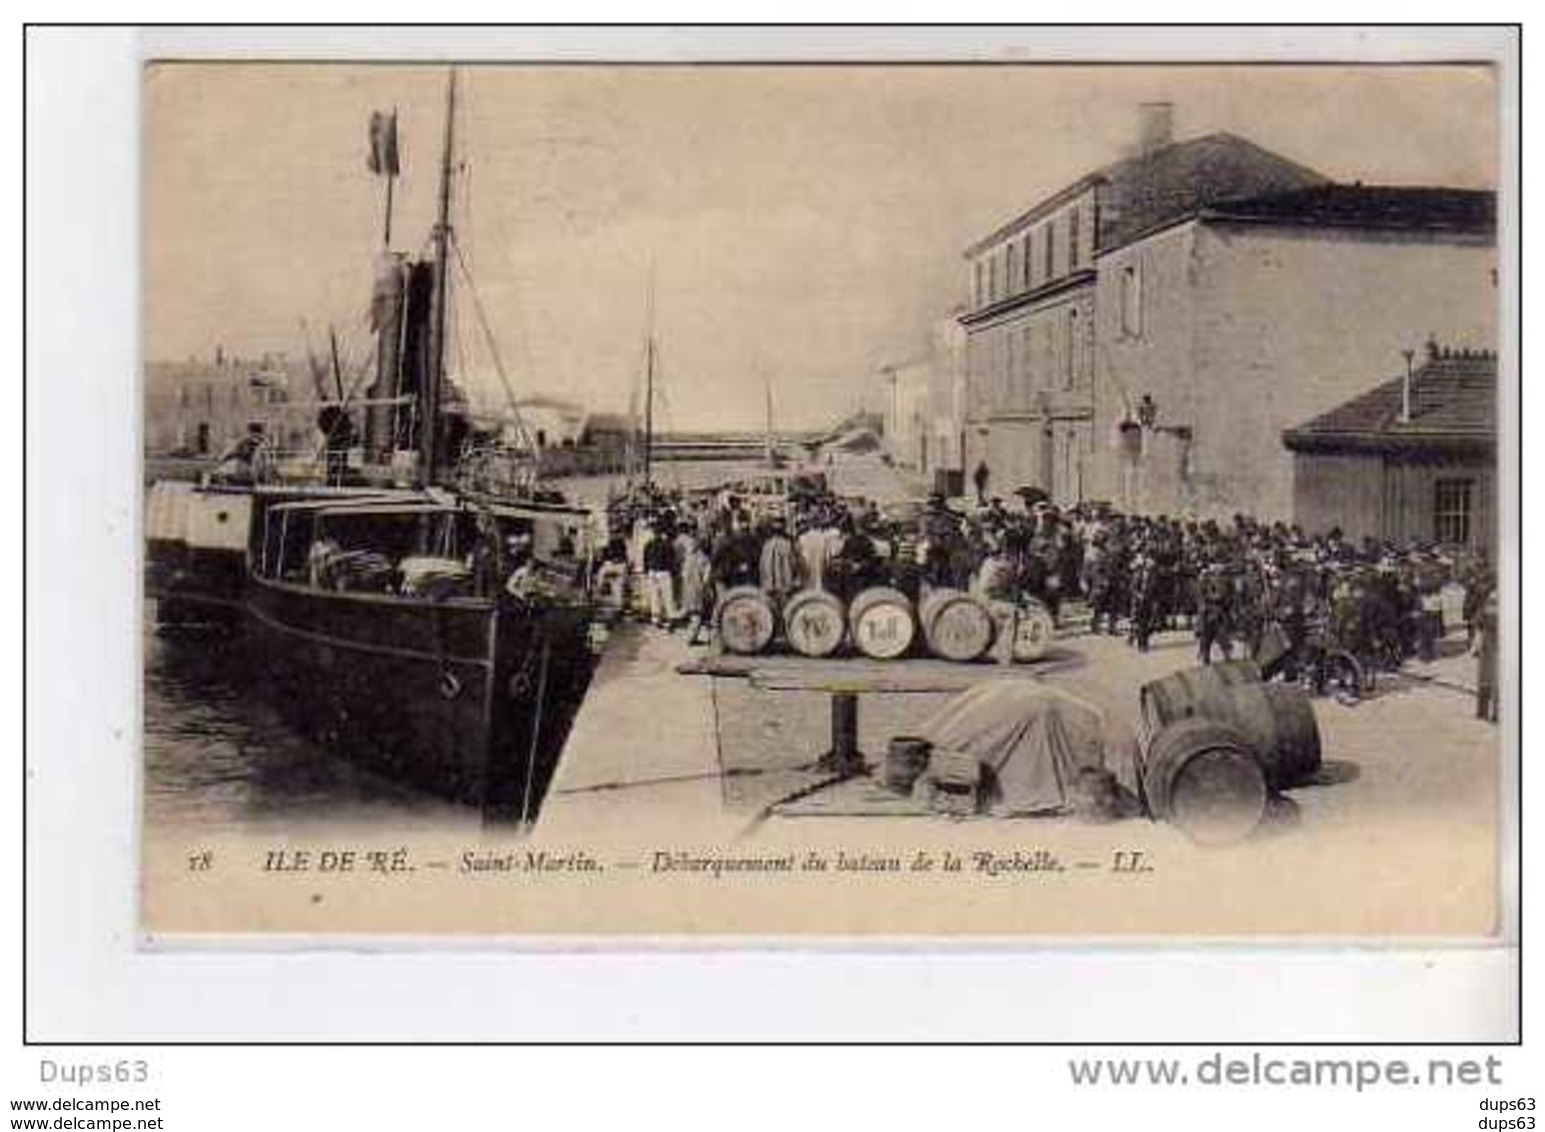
<point x="1145" y="192"/>
<point x="1453" y="404"/>
<point x="1369" y="206"/>
<point x="1140" y="193"/>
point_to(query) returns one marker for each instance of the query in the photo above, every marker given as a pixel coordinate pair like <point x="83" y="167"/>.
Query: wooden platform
<point x="861" y="674"/>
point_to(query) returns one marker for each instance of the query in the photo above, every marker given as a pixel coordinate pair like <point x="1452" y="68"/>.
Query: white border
<point x="88" y="981"/>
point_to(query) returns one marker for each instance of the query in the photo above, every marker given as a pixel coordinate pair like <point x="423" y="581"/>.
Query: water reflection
<point x="216" y="755"/>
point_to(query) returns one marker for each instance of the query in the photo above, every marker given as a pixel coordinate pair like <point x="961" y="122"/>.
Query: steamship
<point x="428" y="618"/>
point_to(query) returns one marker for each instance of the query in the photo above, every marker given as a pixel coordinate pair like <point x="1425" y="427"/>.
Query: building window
<point x="1011" y="369"/>
<point x="1069" y="348"/>
<point x="1451" y="503"/>
<point x="1025" y="256"/>
<point x="1051" y="248"/>
<point x="1073" y="240"/>
<point x="992" y="278"/>
<point x="1010" y="269"/>
<point x="1131" y="301"/>
<point x="976" y="284"/>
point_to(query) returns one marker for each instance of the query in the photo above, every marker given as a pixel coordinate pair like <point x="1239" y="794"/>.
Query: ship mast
<point x="648" y="406"/>
<point x="649" y="366"/>
<point x="768" y="438"/>
<point x="429" y="438"/>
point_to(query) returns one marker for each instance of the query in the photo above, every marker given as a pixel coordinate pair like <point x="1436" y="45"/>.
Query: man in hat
<point x="980" y="478"/>
<point x="814" y="547"/>
<point x="522" y="582"/>
<point x="997" y="585"/>
<point x="1486" y="694"/>
<point x="1214" y="603"/>
<point x="659" y="578"/>
<point x="778" y="572"/>
<point x="1144" y="587"/>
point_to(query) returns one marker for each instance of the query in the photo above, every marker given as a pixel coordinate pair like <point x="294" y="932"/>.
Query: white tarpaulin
<point x="1034" y="739"/>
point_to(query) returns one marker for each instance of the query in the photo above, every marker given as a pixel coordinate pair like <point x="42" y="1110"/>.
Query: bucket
<point x="1204" y="777"/>
<point x="881" y="623"/>
<point x="814" y="623"/>
<point x="745" y="620"/>
<point x="906" y="757"/>
<point x="956" y="625"/>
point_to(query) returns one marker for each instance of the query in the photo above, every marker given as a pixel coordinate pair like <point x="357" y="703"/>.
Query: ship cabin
<point x="434" y="549"/>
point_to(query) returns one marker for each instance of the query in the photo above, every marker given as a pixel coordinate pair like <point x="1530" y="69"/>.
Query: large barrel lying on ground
<point x="1033" y="632"/>
<point x="1277" y="719"/>
<point x="881" y="623"/>
<point x="1180" y="694"/>
<point x="745" y="620"/>
<point x="1203" y="777"/>
<point x="956" y="625"/>
<point x="814" y="622"/>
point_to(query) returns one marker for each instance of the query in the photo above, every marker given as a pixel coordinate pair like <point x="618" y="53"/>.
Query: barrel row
<point x="881" y="623"/>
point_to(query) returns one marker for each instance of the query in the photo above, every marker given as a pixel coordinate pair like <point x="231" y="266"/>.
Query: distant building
<point x="550" y="422"/>
<point x="925" y="404"/>
<point x="1145" y="335"/>
<point x="906" y="411"/>
<point x="197" y="407"/>
<point x="1409" y="459"/>
<point x="612" y="433"/>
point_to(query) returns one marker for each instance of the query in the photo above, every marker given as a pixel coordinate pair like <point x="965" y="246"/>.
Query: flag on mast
<point x="383" y="144"/>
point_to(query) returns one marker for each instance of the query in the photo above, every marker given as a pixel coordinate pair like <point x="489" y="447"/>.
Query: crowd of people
<point x="1240" y="586"/>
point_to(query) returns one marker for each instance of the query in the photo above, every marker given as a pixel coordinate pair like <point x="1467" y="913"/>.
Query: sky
<point x="802" y="225"/>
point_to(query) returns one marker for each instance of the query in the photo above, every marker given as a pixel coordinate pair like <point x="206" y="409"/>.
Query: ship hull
<point x="462" y="699"/>
<point x="195" y="587"/>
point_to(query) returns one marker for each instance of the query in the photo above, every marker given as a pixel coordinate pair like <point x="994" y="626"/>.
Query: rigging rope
<point x="521" y="433"/>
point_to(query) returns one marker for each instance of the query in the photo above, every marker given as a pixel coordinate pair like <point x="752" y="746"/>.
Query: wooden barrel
<point x="1181" y="695"/>
<point x="744" y="620"/>
<point x="814" y="623"/>
<point x="881" y="624"/>
<point x="1203" y="777"/>
<point x="1278" y="719"/>
<point x="1033" y="632"/>
<point x="956" y="625"/>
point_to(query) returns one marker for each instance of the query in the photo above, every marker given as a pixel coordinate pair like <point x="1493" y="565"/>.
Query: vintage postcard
<point x="943" y="501"/>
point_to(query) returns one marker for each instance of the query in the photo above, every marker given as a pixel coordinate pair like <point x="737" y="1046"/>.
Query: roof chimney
<point x="1155" y="127"/>
<point x="1405" y="388"/>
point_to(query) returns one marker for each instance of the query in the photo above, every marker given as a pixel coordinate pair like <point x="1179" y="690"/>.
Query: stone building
<point x="924" y="403"/>
<point x="1413" y="459"/>
<point x="905" y="390"/>
<point x="199" y="406"/>
<point x="1145" y="335"/>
